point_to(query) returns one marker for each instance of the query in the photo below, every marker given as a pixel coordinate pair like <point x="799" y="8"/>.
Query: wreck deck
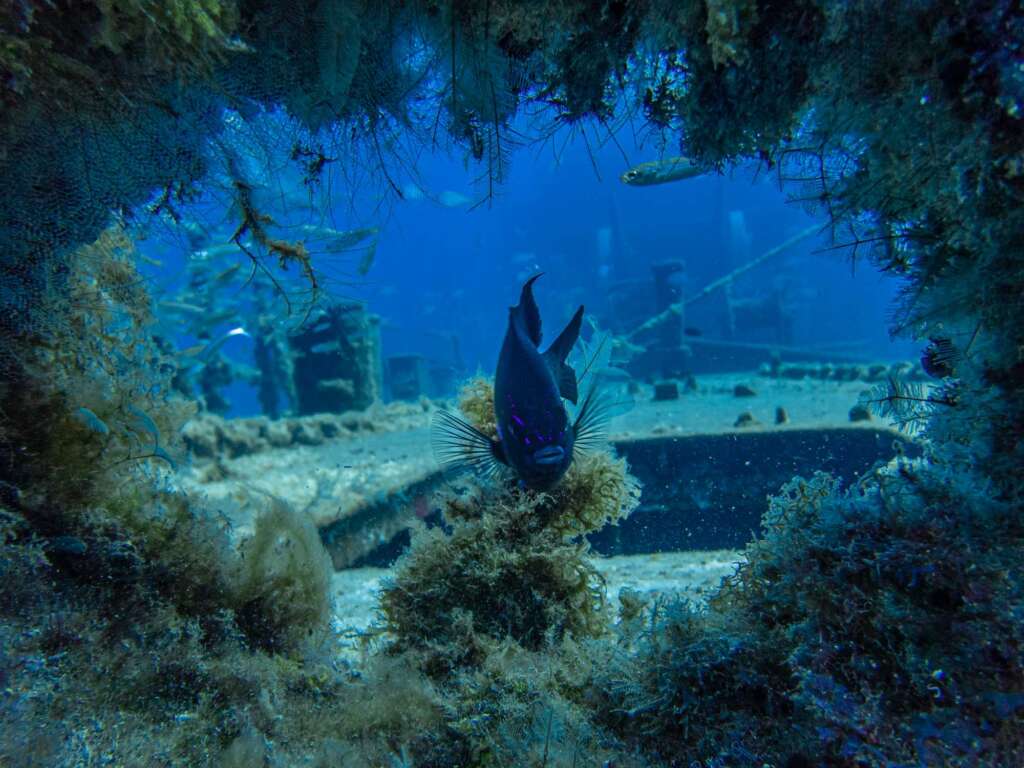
<point x="364" y="491"/>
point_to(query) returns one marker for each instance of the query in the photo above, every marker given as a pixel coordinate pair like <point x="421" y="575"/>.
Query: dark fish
<point x="535" y="435"/>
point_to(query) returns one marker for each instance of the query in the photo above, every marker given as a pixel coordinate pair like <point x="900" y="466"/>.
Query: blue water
<point x="457" y="271"/>
<point x="444" y="271"/>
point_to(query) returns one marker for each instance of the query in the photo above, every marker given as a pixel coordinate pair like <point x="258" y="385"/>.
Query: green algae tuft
<point x="284" y="581"/>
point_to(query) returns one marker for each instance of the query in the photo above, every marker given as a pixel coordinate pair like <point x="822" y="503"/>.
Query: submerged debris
<point x="746" y="419"/>
<point x="210" y="436"/>
<point x="860" y="412"/>
<point x="876" y="372"/>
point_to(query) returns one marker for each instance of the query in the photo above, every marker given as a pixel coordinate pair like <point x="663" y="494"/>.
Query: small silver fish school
<point x="535" y="436"/>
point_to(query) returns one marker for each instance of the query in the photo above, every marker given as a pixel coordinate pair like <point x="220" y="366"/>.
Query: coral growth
<point x="211" y="437"/>
<point x="177" y="35"/>
<point x="183" y="39"/>
<point x="284" y="581"/>
<point x="498" y="611"/>
<point x="127" y="602"/>
<point x="881" y="625"/>
<point x="101" y="665"/>
<point x="501" y="575"/>
<point x="596" y="491"/>
<point x="728" y="24"/>
<point x="93" y="376"/>
<point x="476" y="401"/>
<point x="513" y="565"/>
<point x="865" y="624"/>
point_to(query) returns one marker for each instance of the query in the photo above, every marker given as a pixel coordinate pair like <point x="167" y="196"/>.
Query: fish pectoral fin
<point x="600" y="405"/>
<point x="555" y="356"/>
<point x="498" y="452"/>
<point x="459" y="445"/>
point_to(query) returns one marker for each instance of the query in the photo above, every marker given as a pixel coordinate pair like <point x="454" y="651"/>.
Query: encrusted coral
<point x="858" y="621"/>
<point x="513" y="565"/>
<point x="284" y="581"/>
<point x="876" y="626"/>
<point x="92" y="375"/>
<point x="45" y="52"/>
<point x="500" y="575"/>
<point x="138" y="599"/>
<point x="179" y="34"/>
<point x="596" y="491"/>
<point x="476" y="402"/>
<point x="729" y="24"/>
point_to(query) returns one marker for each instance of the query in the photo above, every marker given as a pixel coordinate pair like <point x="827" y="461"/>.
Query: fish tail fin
<point x="458" y="445"/>
<point x="559" y="350"/>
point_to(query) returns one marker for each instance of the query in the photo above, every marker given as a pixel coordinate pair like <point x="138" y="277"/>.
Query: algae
<point x="512" y="566"/>
<point x="284" y="580"/>
<point x="476" y="402"/>
<point x="877" y="625"/>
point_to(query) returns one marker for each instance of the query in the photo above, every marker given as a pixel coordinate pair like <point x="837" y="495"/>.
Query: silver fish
<point x="661" y="172"/>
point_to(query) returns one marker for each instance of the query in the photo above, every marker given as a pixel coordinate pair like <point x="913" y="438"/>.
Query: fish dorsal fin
<point x="528" y="310"/>
<point x="560" y="348"/>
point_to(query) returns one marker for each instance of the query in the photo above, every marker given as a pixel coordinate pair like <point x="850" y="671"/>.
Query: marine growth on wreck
<point x="224" y="537"/>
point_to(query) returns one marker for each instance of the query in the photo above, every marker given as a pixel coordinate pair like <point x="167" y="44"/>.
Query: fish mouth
<point x="552" y="454"/>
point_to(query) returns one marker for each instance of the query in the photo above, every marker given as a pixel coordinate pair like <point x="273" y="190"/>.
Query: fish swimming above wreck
<point x="661" y="172"/>
<point x="536" y="437"/>
<point x="333" y="240"/>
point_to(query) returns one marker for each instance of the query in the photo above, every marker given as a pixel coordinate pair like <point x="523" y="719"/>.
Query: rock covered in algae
<point x="476" y="401"/>
<point x="514" y="564"/>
